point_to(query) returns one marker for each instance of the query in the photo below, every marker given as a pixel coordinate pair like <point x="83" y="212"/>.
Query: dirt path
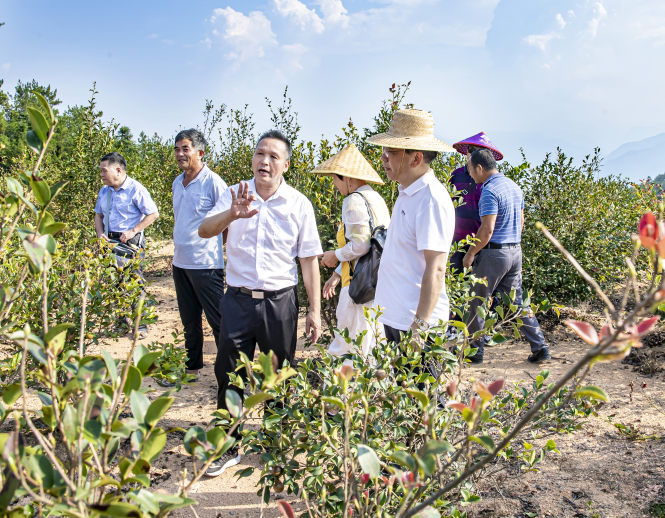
<point x="597" y="464"/>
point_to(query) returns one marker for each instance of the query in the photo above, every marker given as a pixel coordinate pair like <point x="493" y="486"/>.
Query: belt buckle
<point x="257" y="295"/>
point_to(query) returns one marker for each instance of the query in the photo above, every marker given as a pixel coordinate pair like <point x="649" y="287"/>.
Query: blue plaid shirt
<point x="503" y="197"/>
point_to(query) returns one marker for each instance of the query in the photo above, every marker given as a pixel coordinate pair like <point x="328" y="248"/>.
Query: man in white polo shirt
<point x="269" y="223"/>
<point x="198" y="264"/>
<point x="411" y="282"/>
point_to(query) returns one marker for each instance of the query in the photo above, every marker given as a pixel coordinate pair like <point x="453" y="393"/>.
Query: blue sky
<point x="532" y="73"/>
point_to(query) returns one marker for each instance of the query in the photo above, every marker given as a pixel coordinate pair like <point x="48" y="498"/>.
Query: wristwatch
<point x="422" y="324"/>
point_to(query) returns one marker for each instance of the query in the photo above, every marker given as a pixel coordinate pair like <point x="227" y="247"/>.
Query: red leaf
<point x="495" y="387"/>
<point x="475" y="403"/>
<point x="660" y="246"/>
<point x="585" y="331"/>
<point x="286" y="509"/>
<point x="483" y="392"/>
<point x="451" y="388"/>
<point x="646" y="324"/>
<point x="605" y="332"/>
<point x="648" y="228"/>
<point x="364" y="478"/>
<point x="456" y="405"/>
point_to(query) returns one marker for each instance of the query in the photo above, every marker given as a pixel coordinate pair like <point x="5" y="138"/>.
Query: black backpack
<point x="366" y="271"/>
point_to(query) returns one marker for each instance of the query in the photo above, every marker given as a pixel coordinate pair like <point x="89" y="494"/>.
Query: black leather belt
<point x="260" y="294"/>
<point x="501" y="245"/>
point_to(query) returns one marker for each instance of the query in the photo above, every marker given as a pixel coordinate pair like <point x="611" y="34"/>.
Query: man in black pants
<point x="269" y="223"/>
<point x="198" y="264"/>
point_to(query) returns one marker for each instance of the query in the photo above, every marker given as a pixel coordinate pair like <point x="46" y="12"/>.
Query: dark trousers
<point x="456" y="260"/>
<point x="198" y="291"/>
<point x="272" y="323"/>
<point x="503" y="270"/>
<point x="392" y="334"/>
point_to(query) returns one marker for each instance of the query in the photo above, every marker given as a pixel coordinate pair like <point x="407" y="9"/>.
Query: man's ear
<point x="417" y="159"/>
<point x="286" y="165"/>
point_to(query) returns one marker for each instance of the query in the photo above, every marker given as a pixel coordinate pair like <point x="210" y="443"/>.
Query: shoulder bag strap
<point x="369" y="210"/>
<point x="107" y="212"/>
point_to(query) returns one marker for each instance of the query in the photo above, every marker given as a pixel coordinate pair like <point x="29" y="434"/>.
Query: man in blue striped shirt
<point x="497" y="255"/>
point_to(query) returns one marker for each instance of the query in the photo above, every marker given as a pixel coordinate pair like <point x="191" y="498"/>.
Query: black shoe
<point x="230" y="458"/>
<point x="540" y="356"/>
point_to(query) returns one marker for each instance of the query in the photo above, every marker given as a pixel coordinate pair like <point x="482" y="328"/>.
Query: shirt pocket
<point x="285" y="232"/>
<point x="204" y="203"/>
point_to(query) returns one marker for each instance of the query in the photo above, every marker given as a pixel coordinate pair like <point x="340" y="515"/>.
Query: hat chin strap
<point x="392" y="194"/>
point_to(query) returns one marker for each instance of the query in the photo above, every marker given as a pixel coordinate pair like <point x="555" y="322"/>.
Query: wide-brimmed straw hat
<point x="411" y="129"/>
<point x="479" y="140"/>
<point x="351" y="163"/>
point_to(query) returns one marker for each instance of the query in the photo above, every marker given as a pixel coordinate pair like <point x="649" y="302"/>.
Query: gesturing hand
<point x="241" y="203"/>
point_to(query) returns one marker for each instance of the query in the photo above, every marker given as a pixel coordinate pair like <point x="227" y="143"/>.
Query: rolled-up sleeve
<point x="223" y="202"/>
<point x="309" y="243"/>
<point x="144" y="202"/>
<point x="356" y="229"/>
<point x="99" y="206"/>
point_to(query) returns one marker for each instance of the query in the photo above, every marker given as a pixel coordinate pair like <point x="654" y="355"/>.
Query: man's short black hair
<point x="115" y="158"/>
<point x="428" y="156"/>
<point x="483" y="157"/>
<point x="276" y="134"/>
<point x="195" y="137"/>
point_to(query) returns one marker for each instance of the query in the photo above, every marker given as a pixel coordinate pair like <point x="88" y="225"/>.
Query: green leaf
<point x="38" y="123"/>
<point x="593" y="392"/>
<point x="133" y="381"/>
<point x="256" y="399"/>
<point x="55" y="337"/>
<point x="140" y="404"/>
<point x="92" y="431"/>
<point x="233" y="402"/>
<point x="157" y="409"/>
<point x="195" y="432"/>
<point x="368" y="460"/>
<point x="154" y="445"/>
<point x="42" y="100"/>
<point x="69" y="422"/>
<point x="11" y="393"/>
<point x="438" y="447"/>
<point x="486" y="441"/>
<point x="34" y="141"/>
<point x="41" y="190"/>
<point x="269" y="375"/>
<point x="54" y="228"/>
<point x="111" y="367"/>
<point x="498" y="338"/>
<point x="333" y="401"/>
<point x="14" y="186"/>
<point x="404" y="459"/>
<point x="146" y="501"/>
<point x="146" y="364"/>
<point x="420" y="396"/>
<point x="36" y="254"/>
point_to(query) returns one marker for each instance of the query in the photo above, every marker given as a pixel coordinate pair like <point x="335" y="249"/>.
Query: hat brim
<point x="327" y="172"/>
<point x="462" y="147"/>
<point x="416" y="143"/>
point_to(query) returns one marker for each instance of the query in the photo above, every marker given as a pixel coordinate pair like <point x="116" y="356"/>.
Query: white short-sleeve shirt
<point x="423" y="219"/>
<point x="191" y="204"/>
<point x="261" y="250"/>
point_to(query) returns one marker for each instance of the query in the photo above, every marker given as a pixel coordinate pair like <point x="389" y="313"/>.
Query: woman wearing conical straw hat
<point x="352" y="174"/>
<point x="411" y="282"/>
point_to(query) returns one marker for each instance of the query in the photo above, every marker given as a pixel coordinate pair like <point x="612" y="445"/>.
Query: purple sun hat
<point x="479" y="140"/>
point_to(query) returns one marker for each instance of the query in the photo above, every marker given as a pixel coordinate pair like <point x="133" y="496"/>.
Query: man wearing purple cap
<point x="467" y="217"/>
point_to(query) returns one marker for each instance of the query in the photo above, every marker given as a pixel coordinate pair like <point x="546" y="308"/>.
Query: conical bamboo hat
<point x="351" y="163"/>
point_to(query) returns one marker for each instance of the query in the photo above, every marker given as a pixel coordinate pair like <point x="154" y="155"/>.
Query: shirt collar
<point x="125" y="184"/>
<point x="202" y="174"/>
<point x="365" y="187"/>
<point x="421" y="182"/>
<point x="283" y="191"/>
<point x="495" y="175"/>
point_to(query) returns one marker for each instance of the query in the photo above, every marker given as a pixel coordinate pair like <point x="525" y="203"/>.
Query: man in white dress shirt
<point x="198" y="264"/>
<point x="269" y="225"/>
<point x="411" y="284"/>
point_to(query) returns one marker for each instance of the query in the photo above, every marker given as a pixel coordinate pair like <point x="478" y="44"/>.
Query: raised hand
<point x="241" y="203"/>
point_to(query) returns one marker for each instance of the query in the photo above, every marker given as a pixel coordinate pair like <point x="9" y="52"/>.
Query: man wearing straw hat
<point x="351" y="174"/>
<point x="411" y="284"/>
<point x="467" y="216"/>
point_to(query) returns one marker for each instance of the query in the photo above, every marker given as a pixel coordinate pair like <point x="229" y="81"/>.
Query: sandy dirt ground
<point x="618" y="476"/>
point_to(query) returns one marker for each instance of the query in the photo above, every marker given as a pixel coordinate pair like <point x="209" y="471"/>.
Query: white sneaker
<point x="230" y="458"/>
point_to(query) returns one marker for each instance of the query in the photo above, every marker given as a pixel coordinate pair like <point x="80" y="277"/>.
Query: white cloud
<point x="297" y="48"/>
<point x="152" y="36"/>
<point x="599" y="13"/>
<point x="206" y="44"/>
<point x="306" y="18"/>
<point x="334" y="12"/>
<point x="6" y="66"/>
<point x="247" y="35"/>
<point x="541" y="40"/>
<point x="560" y="20"/>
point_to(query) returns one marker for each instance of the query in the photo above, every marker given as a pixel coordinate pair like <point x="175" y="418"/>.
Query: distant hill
<point x="637" y="160"/>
